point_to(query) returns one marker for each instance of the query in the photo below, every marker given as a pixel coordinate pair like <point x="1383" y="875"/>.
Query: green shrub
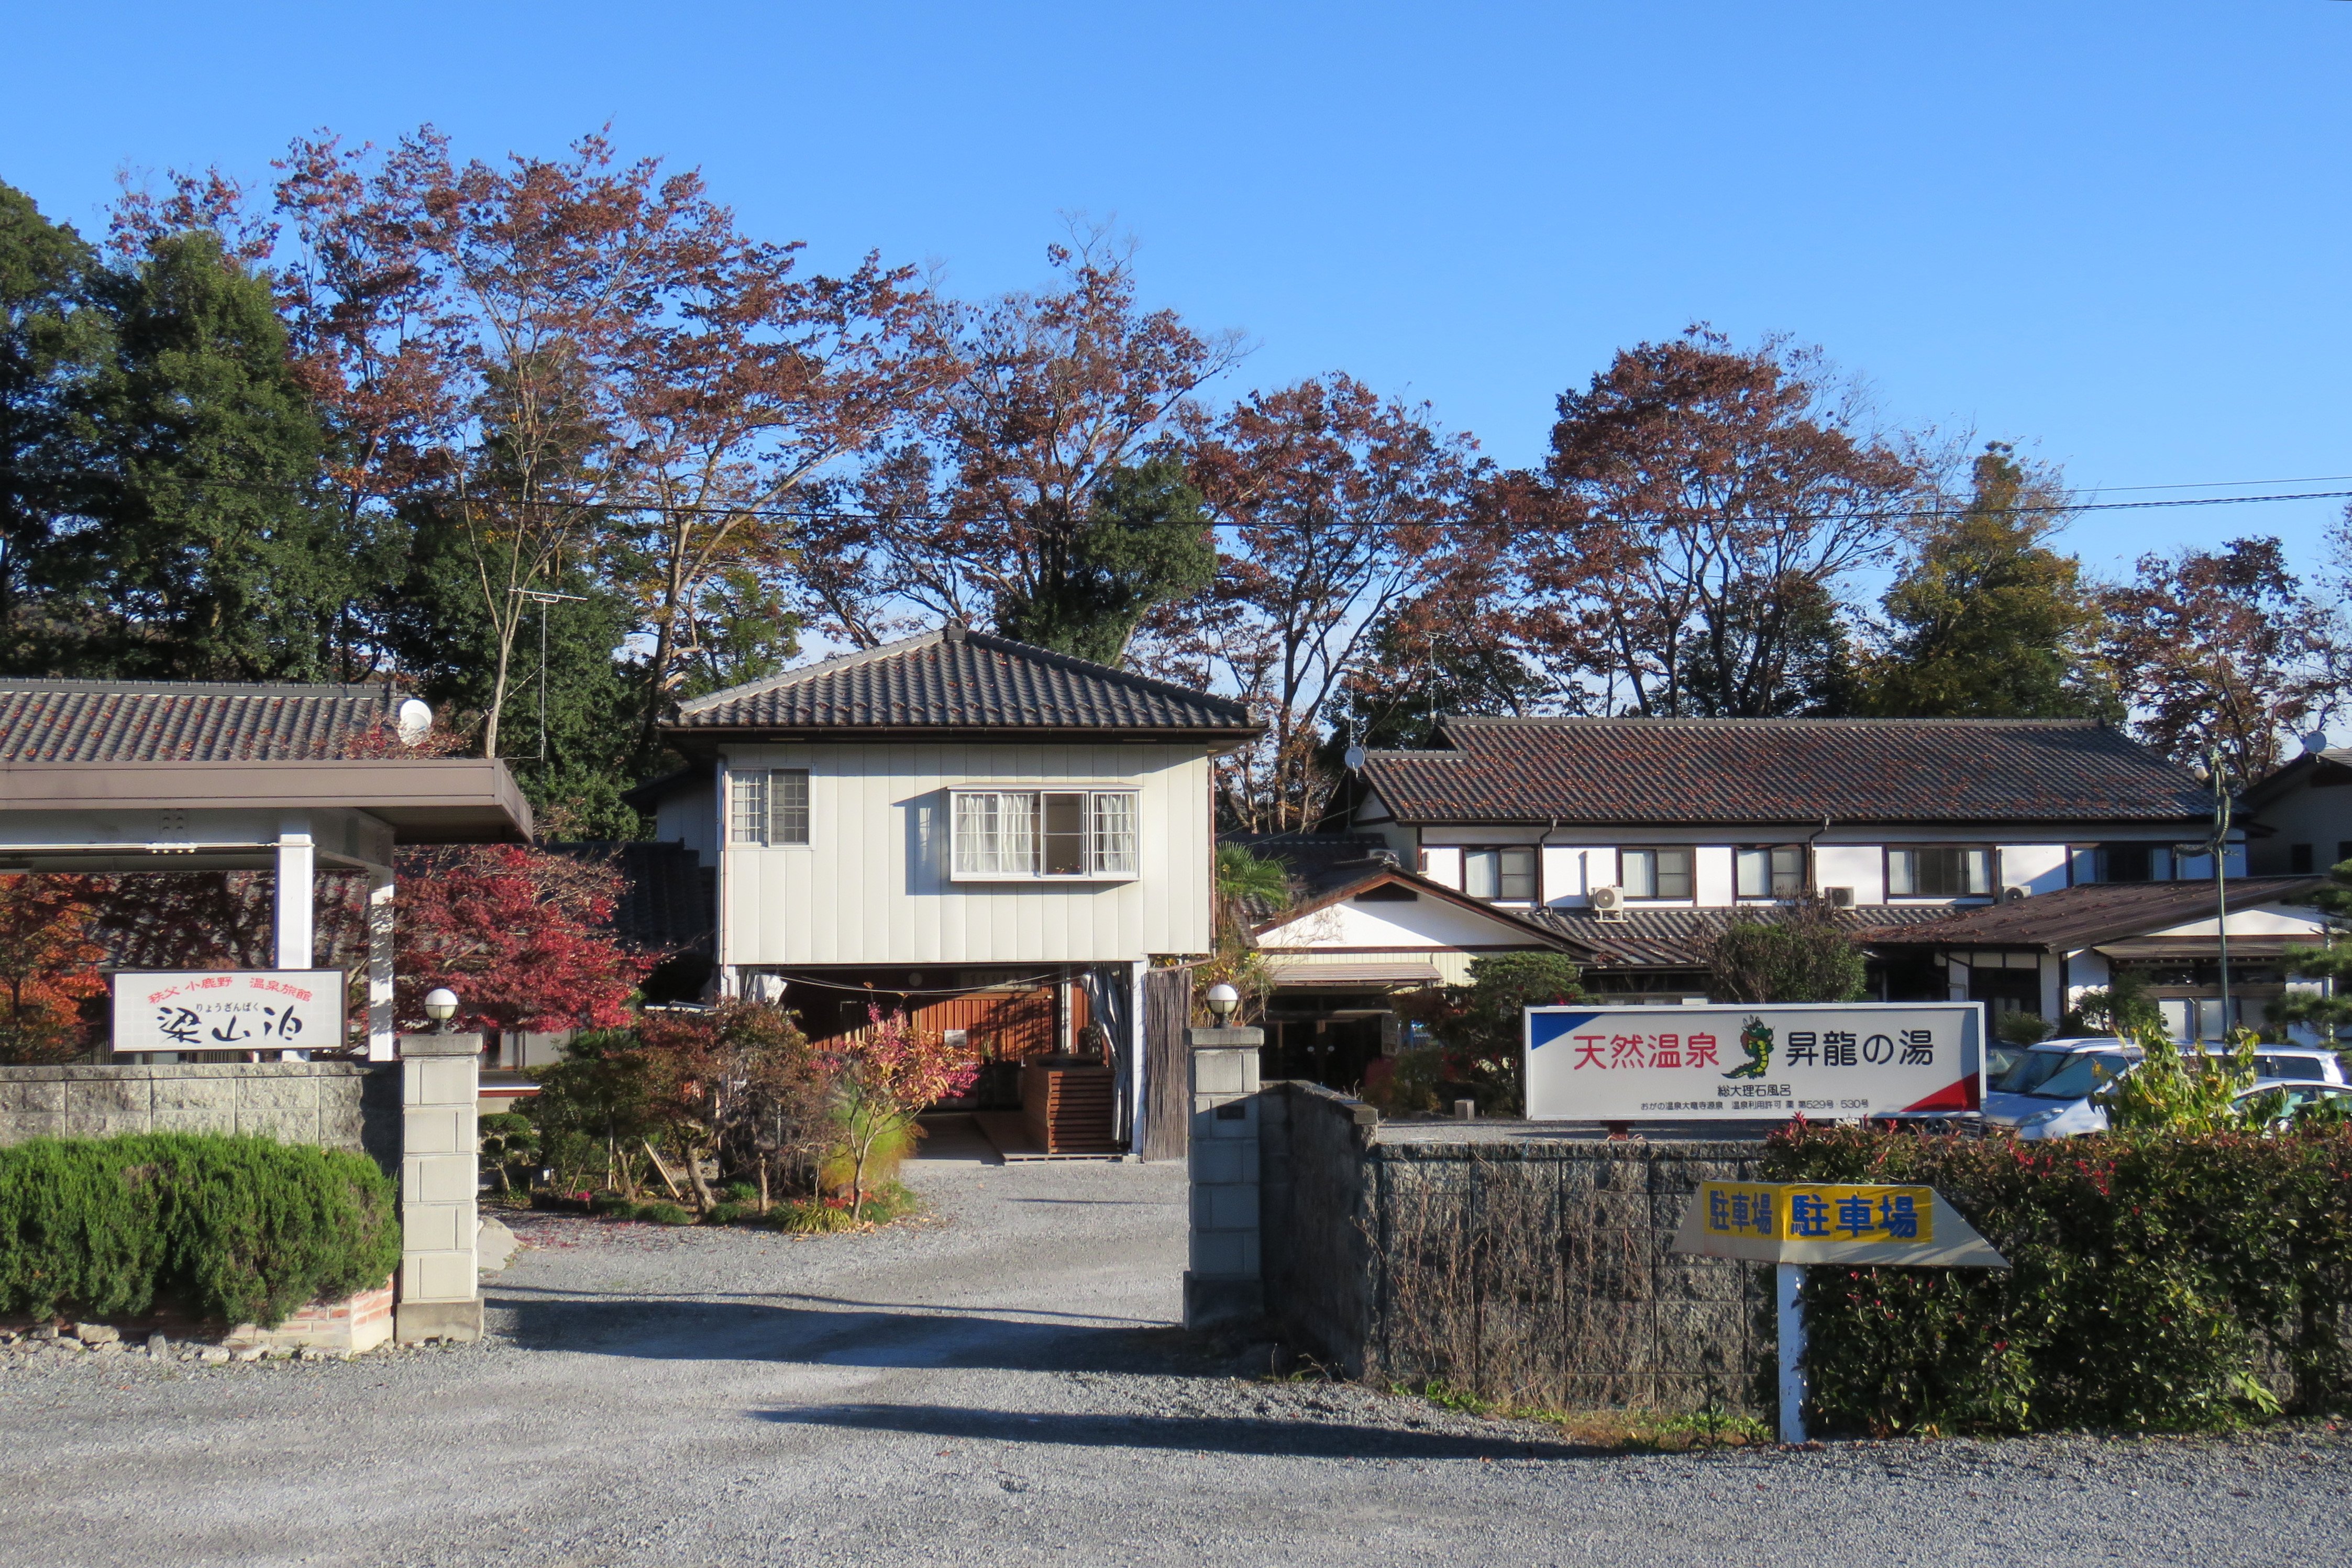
<point x="2153" y="1278"/>
<point x="663" y="1213"/>
<point x="231" y="1230"/>
<point x="723" y="1213"/>
<point x="613" y="1205"/>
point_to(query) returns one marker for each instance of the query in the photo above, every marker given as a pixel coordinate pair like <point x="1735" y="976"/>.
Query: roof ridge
<point x="248" y="689"/>
<point x="827" y="666"/>
<point x="1497" y="721"/>
<point x="1087" y="666"/>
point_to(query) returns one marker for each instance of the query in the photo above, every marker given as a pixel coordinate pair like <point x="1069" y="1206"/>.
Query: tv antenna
<point x="543" y="597"/>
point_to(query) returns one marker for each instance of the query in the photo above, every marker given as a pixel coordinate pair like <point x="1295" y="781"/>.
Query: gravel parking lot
<point x="1002" y="1382"/>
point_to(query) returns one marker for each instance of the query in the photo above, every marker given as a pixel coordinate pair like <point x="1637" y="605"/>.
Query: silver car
<point x="2047" y="1091"/>
<point x="2300" y="1096"/>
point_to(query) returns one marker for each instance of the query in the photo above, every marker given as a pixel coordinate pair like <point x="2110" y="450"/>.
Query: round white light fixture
<point x="413" y="722"/>
<point x="1223" y="999"/>
<point x="440" y="1004"/>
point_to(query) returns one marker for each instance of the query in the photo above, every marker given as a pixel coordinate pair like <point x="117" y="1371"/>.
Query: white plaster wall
<point x="2268" y="920"/>
<point x="872" y="886"/>
<point x="2319" y="818"/>
<point x="2086" y="970"/>
<point x="1712" y="875"/>
<point x="1393" y="924"/>
<point x="1441" y="864"/>
<point x="2036" y="868"/>
<point x="1861" y="866"/>
<point x="1570" y="872"/>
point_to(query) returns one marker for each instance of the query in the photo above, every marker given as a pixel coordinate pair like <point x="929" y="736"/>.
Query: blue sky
<point x="2115" y="234"/>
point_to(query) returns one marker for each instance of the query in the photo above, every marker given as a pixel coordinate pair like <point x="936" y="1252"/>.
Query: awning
<point x="1388" y="972"/>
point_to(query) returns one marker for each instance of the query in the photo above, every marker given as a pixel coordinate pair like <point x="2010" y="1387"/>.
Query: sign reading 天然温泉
<point x="228" y="1010"/>
<point x="1831" y="1060"/>
<point x="1831" y="1222"/>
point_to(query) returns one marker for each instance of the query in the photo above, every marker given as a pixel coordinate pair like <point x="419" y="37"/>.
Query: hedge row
<point x="2156" y="1281"/>
<point x="230" y="1229"/>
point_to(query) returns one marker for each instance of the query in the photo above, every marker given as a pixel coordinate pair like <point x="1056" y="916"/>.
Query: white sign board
<point x="228" y="1010"/>
<point x="1824" y="1061"/>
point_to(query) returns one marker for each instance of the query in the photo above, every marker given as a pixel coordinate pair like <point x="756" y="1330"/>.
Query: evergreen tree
<point x="1144" y="541"/>
<point x="1990" y="622"/>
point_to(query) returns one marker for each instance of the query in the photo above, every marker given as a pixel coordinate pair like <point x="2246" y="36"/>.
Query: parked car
<point x="2301" y="1096"/>
<point x="2047" y="1091"/>
<point x="2293" y="1064"/>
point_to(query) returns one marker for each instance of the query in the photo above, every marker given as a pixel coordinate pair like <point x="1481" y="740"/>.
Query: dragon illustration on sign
<point x="1756" y="1039"/>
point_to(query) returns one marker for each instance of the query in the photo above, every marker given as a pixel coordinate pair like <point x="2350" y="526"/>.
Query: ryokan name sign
<point x="1829" y="1060"/>
<point x="228" y="1010"/>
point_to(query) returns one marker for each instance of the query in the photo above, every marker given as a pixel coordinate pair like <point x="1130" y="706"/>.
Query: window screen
<point x="1939" y="873"/>
<point x="788" y="806"/>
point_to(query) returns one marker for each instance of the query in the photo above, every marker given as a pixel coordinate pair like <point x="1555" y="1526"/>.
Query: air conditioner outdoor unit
<point x="1609" y="902"/>
<point x="1839" y="898"/>
<point x="2015" y="895"/>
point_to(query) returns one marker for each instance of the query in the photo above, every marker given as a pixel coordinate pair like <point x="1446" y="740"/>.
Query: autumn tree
<point x="1339" y="507"/>
<point x="48" y="966"/>
<point x="1697" y="516"/>
<point x="740" y="1085"/>
<point x="517" y="934"/>
<point x="883" y="1076"/>
<point x="1988" y="621"/>
<point x="1042" y="496"/>
<point x="2218" y="647"/>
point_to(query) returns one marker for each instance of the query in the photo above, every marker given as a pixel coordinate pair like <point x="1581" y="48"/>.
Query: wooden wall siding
<point x="873" y="886"/>
<point x="1167" y="1064"/>
<point x="1003" y="1025"/>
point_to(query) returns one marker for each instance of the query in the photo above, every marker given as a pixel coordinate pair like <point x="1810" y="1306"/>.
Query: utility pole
<point x="542" y="598"/>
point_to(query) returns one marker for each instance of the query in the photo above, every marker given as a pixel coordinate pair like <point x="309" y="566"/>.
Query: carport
<point x="107" y="776"/>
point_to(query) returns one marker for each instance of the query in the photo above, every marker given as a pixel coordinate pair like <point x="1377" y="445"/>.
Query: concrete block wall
<point x="1221" y="1283"/>
<point x="439" y="1217"/>
<point x="1533" y="1269"/>
<point x="338" y="1105"/>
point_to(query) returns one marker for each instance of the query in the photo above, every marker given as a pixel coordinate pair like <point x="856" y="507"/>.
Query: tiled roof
<point x="2099" y="913"/>
<point x="1684" y="939"/>
<point x="1317" y="863"/>
<point x="1783" y="772"/>
<point x="177" y="721"/>
<point x="959" y="680"/>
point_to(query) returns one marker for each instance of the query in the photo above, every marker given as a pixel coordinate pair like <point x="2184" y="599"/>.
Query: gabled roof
<point x="1684" y="939"/>
<point x="2098" y="913"/>
<point x="958" y="682"/>
<point x="1783" y="772"/>
<point x="1520" y="921"/>
<point x="184" y="722"/>
<point x="2331" y="765"/>
<point x="1316" y="862"/>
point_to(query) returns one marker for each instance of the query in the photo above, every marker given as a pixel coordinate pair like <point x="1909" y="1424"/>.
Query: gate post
<point x="1224" y="1284"/>
<point x="440" y="1078"/>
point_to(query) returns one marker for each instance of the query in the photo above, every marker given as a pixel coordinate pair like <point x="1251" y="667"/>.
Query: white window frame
<point x="762" y="808"/>
<point x="999" y="835"/>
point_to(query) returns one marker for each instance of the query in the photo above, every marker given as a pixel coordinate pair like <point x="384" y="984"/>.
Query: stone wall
<point x="1527" y="1267"/>
<point x="339" y="1105"/>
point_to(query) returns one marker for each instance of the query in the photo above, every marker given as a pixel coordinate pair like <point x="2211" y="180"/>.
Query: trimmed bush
<point x="232" y="1229"/>
<point x="2156" y="1281"/>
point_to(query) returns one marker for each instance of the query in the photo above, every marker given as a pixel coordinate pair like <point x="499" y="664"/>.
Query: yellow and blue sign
<point x="1831" y="1222"/>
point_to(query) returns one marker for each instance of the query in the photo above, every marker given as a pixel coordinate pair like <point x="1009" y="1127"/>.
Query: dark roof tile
<point x="175" y="721"/>
<point x="1634" y="771"/>
<point x="2069" y="918"/>
<point x="1684" y="939"/>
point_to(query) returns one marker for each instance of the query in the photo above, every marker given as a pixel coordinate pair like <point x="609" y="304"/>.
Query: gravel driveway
<point x="1001" y="1383"/>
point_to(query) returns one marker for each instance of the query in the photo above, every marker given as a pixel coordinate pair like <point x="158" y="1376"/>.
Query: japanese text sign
<point x="1831" y="1222"/>
<point x="228" y="1010"/>
<point x="1832" y="1060"/>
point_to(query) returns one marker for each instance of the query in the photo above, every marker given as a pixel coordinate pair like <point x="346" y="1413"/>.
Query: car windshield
<point x="2305" y="1067"/>
<point x="2083" y="1072"/>
<point x="2029" y="1071"/>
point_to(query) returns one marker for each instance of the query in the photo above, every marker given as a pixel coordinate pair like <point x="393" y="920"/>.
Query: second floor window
<point x="1500" y="875"/>
<point x="1773" y="871"/>
<point x="1043" y="833"/>
<point x="770" y="807"/>
<point x="1654" y="873"/>
<point x="1939" y="873"/>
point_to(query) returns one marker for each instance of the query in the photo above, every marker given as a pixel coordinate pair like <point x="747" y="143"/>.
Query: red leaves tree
<point x="883" y="1076"/>
<point x="514" y="932"/>
<point x="48" y="966"/>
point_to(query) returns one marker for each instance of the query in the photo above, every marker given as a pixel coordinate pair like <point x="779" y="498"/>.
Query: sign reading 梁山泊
<point x="1831" y="1060"/>
<point x="1831" y="1222"/>
<point x="228" y="1010"/>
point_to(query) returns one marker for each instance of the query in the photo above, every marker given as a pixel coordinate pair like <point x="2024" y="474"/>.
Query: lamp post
<point x="2216" y="772"/>
<point x="1222" y="1000"/>
<point x="440" y="1006"/>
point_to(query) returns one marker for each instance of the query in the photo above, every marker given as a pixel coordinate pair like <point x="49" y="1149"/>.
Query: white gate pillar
<point x="440" y="1078"/>
<point x="1224" y="1284"/>
<point x="293" y="899"/>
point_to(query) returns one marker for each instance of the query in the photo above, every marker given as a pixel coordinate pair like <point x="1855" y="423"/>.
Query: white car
<point x="2293" y="1064"/>
<point x="2046" y="1092"/>
<point x="2302" y="1094"/>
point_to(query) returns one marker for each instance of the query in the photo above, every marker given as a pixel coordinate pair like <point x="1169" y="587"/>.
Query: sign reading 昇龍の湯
<point x="1839" y="1060"/>
<point x="228" y="1010"/>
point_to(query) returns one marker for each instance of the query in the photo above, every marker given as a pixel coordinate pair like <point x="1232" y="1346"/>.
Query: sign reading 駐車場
<point x="1831" y="1222"/>
<point x="1831" y="1060"/>
<point x="228" y="1010"/>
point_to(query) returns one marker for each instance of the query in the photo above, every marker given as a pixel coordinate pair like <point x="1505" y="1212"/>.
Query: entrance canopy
<point x="109" y="776"/>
